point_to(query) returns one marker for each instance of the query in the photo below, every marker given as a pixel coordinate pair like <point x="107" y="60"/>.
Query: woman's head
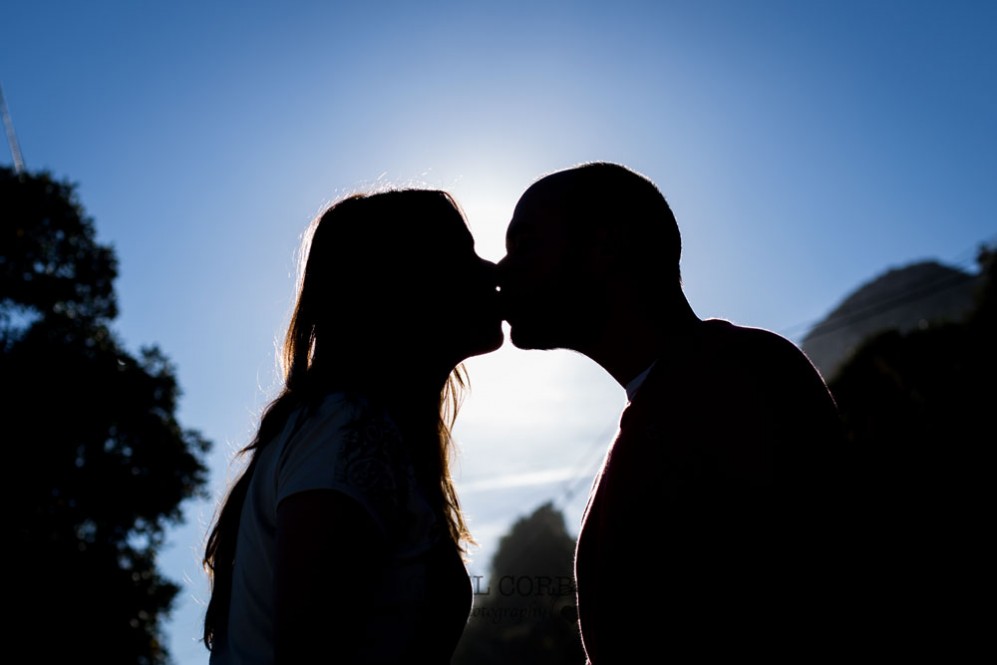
<point x="391" y="280"/>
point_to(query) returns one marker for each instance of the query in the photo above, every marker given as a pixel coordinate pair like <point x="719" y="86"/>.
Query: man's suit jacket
<point x="714" y="525"/>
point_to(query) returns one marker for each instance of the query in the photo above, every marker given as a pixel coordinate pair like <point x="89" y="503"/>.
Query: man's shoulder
<point x="717" y="356"/>
<point x="749" y="345"/>
<point x="724" y="331"/>
<point x="728" y="364"/>
<point x="770" y="370"/>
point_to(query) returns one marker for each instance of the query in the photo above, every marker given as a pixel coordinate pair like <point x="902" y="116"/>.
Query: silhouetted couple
<point x="711" y="528"/>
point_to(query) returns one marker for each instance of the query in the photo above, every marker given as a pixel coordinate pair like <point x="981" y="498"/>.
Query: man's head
<point x="576" y="238"/>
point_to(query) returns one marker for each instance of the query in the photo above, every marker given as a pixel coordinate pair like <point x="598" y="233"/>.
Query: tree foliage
<point x="51" y="261"/>
<point x="100" y="463"/>
<point x="914" y="403"/>
<point x="525" y="611"/>
<point x="919" y="410"/>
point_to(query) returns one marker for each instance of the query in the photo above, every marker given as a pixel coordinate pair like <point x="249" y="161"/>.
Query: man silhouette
<point x="711" y="528"/>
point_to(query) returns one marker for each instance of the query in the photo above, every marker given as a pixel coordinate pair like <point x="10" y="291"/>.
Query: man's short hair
<point x="604" y="195"/>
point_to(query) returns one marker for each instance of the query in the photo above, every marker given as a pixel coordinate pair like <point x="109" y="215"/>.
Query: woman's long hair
<point x="350" y="253"/>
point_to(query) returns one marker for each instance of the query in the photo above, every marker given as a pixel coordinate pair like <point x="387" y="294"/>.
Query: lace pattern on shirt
<point x="373" y="460"/>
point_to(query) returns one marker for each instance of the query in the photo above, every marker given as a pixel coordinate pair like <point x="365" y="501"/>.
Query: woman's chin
<point x="489" y="342"/>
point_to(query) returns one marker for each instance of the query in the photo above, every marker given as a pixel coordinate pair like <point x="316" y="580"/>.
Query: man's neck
<point x="632" y="340"/>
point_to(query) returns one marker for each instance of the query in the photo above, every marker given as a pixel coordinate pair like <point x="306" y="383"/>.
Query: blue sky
<point x="804" y="146"/>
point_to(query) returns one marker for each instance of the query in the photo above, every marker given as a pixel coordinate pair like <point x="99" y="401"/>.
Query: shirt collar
<point x="635" y="383"/>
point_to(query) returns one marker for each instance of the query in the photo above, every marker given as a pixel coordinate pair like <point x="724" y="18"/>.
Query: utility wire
<point x="15" y="149"/>
<point x="876" y="306"/>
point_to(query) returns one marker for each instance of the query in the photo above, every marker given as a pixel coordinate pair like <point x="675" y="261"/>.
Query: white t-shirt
<point x="347" y="445"/>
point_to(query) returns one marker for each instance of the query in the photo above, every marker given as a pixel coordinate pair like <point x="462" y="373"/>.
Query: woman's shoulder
<point x="337" y="413"/>
<point x="350" y="404"/>
<point x="339" y="421"/>
<point x="363" y="428"/>
<point x="348" y="442"/>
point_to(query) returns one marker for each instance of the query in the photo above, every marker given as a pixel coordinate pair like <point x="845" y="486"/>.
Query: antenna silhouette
<point x="8" y="124"/>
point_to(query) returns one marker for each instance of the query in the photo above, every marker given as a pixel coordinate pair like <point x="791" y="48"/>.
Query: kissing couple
<point x="343" y="539"/>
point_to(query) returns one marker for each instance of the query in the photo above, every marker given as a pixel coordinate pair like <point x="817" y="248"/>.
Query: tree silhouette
<point x="525" y="612"/>
<point x="100" y="463"/>
<point x="918" y="408"/>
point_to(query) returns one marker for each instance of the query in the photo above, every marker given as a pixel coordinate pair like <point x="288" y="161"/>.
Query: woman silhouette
<point x="342" y="540"/>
